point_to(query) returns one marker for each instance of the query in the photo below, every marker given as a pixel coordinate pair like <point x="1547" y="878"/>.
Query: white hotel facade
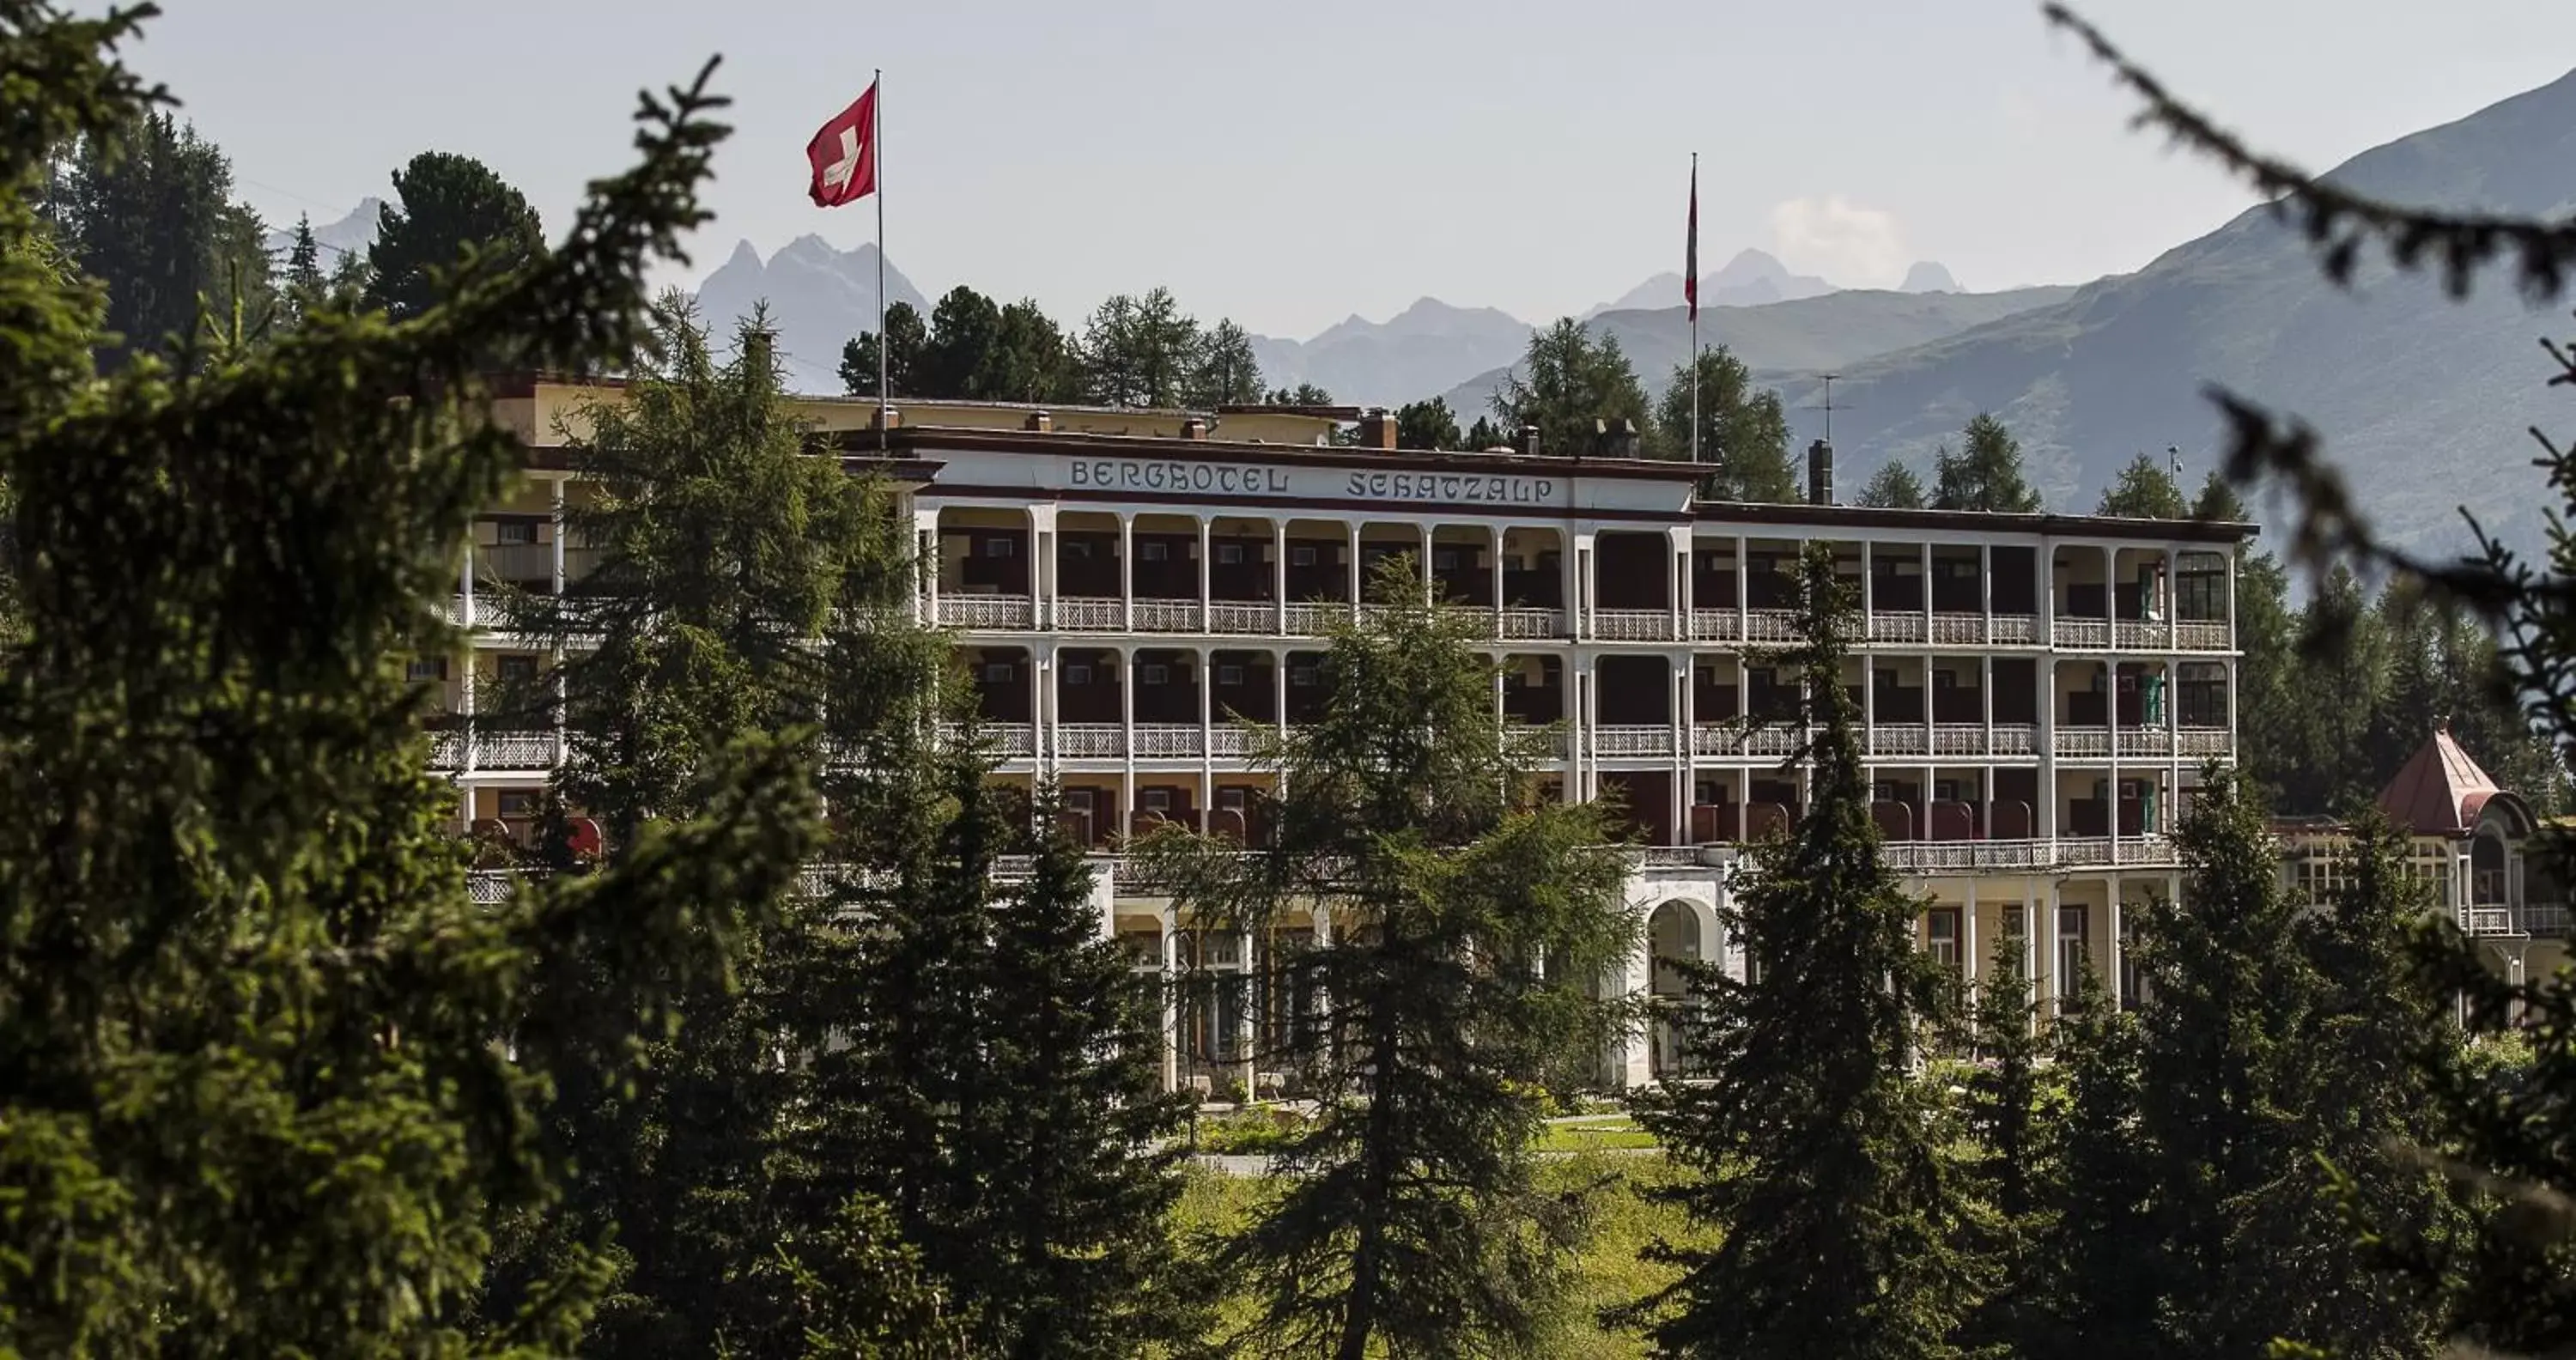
<point x="1127" y="588"/>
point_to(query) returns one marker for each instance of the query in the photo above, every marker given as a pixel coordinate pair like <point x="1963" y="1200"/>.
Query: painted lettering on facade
<point x="1127" y="474"/>
<point x="1466" y="488"/>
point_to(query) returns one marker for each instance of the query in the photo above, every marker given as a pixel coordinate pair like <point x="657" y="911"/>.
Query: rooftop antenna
<point x="1829" y="406"/>
<point x="2173" y="463"/>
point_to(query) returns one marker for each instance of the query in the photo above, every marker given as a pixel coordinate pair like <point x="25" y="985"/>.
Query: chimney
<point x="1193" y="428"/>
<point x="1624" y="439"/>
<point x="1377" y="428"/>
<point x="1820" y="473"/>
<point x="886" y="418"/>
<point x="1602" y="447"/>
<point x="1529" y="440"/>
<point x="759" y="348"/>
<point x="1039" y="422"/>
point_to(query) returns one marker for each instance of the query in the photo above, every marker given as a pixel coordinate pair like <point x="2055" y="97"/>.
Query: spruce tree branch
<point x="2339" y="221"/>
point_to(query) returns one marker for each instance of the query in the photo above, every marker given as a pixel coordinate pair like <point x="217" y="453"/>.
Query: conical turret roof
<point x="2440" y="790"/>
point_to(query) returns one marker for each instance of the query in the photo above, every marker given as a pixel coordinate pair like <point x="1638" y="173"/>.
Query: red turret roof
<point x="2440" y="791"/>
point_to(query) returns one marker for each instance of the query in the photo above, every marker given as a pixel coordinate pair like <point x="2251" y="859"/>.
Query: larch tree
<point x="1569" y="384"/>
<point x="1140" y="351"/>
<point x="1428" y="424"/>
<point x="1743" y="430"/>
<point x="1224" y="372"/>
<point x="1814" y="1154"/>
<point x="1460" y="915"/>
<point x="2145" y="489"/>
<point x="256" y="1108"/>
<point x="1985" y="474"/>
<point x="446" y="206"/>
<point x="1893" y="487"/>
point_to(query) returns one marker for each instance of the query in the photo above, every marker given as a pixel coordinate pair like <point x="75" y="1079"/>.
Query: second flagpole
<point x="1693" y="265"/>
<point x="876" y="154"/>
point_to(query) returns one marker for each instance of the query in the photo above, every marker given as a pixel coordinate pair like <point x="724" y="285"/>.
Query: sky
<point x="1291" y="165"/>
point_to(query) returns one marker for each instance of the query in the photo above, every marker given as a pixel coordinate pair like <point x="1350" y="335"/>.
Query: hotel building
<point x="2039" y="692"/>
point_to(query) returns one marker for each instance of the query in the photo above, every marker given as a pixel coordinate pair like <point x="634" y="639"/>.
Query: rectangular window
<point x="1945" y="679"/>
<point x="518" y="670"/>
<point x="424" y="672"/>
<point x="1949" y="790"/>
<point x="1301" y="557"/>
<point x="1155" y="674"/>
<point x="1077" y="800"/>
<point x="1229" y="675"/>
<point x="1158" y="800"/>
<point x="999" y="672"/>
<point x="1153" y="552"/>
<point x="1941" y="931"/>
<point x="1234" y="800"/>
<point x="1302" y="677"/>
<point x="1075" y="673"/>
<point x="515" y="533"/>
<point x="1229" y="554"/>
<point x="519" y="802"/>
<point x="1076" y="547"/>
<point x="1000" y="547"/>
<point x="2072" y="957"/>
<point x="1445" y="559"/>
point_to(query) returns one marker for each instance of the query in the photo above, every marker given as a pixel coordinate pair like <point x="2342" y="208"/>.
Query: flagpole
<point x="876" y="155"/>
<point x="1694" y="311"/>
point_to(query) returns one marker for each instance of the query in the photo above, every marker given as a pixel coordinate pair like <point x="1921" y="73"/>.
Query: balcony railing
<point x="987" y="611"/>
<point x="2087" y="633"/>
<point x="1237" y="618"/>
<point x="1890" y="627"/>
<point x="2014" y="630"/>
<point x="1770" y="625"/>
<point x="1169" y="741"/>
<point x="1090" y="741"/>
<point x="2145" y="741"/>
<point x="1917" y="857"/>
<point x="1773" y="740"/>
<point x="1899" y="739"/>
<point x="1167" y="616"/>
<point x="2084" y="743"/>
<point x="2139" y="635"/>
<point x="2201" y="741"/>
<point x="1958" y="630"/>
<point x="1012" y="739"/>
<point x="516" y="750"/>
<point x="1959" y="739"/>
<point x="1633" y="741"/>
<point x="1315" y="620"/>
<point x="2547" y="918"/>
<point x="1632" y="625"/>
<point x="1717" y="739"/>
<point x="1533" y="623"/>
<point x="2015" y="739"/>
<point x="1087" y="614"/>
<point x="2198" y="635"/>
<point x="1233" y="740"/>
<point x="1716" y="625"/>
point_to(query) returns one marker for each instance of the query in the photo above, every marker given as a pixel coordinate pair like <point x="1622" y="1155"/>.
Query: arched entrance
<point x="1674" y="936"/>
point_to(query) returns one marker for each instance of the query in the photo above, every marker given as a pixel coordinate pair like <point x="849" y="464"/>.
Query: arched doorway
<point x="1673" y="937"/>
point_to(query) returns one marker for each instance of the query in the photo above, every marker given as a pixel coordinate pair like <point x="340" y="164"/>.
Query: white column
<point x="1244" y="1032"/>
<point x="2114" y="951"/>
<point x="1279" y="575"/>
<point x="1688" y="712"/>
<point x="1126" y="572"/>
<point x="2048" y="953"/>
<point x="1631" y="1052"/>
<point x="1926" y="582"/>
<point x="2030" y="935"/>
<point x="1743" y="569"/>
<point x="1496" y="531"/>
<point x="1206" y="660"/>
<point x="1127" y="672"/>
<point x="1356" y="583"/>
<point x="1042" y="563"/>
<point x="1042" y="736"/>
<point x="1428" y="533"/>
<point x="1171" y="1002"/>
<point x="1986" y="587"/>
<point x="1972" y="960"/>
<point x="1279" y="688"/>
<point x="2173" y="599"/>
<point x="1207" y="574"/>
<point x="1678" y="712"/>
<point x="558" y="532"/>
<point x="1868" y="591"/>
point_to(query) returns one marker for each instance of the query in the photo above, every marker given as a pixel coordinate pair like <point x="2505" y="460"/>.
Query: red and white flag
<point x="1690" y="257"/>
<point x="844" y="154"/>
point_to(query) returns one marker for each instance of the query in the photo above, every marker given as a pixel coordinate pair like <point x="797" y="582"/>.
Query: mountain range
<point x="350" y="235"/>
<point x="2424" y="401"/>
<point x="819" y="296"/>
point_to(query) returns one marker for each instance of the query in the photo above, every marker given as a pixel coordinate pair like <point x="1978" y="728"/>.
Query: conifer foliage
<point x="252" y="1102"/>
<point x="1462" y="917"/>
<point x="1816" y="1154"/>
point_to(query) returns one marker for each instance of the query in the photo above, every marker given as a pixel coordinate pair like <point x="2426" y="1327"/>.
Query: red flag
<point x="1690" y="267"/>
<point x="844" y="154"/>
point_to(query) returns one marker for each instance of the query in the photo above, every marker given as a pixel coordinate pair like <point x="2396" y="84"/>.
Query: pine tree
<point x="1893" y="487"/>
<point x="907" y="341"/>
<point x="444" y="206"/>
<point x="1811" y="1142"/>
<point x="2006" y="1118"/>
<point x="143" y="207"/>
<point x="1743" y="432"/>
<point x="1223" y="370"/>
<point x="1464" y="911"/>
<point x="1985" y="474"/>
<point x="1427" y="425"/>
<point x="2090" y="1282"/>
<point x="256" y="1108"/>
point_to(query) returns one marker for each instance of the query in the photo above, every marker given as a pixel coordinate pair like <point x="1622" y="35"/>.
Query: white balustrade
<point x="1896" y="627"/>
<point x="1772" y="739"/>
<point x="2151" y="848"/>
<point x="1090" y="741"/>
<point x="515" y="750"/>
<point x="1012" y="739"/>
<point x="2015" y="739"/>
<point x="2083" y="850"/>
<point x="2145" y="741"/>
<point x="1167" y="616"/>
<point x="2137" y="635"/>
<point x="1716" y="625"/>
<point x="2014" y="630"/>
<point x="446" y="750"/>
<point x="1168" y="741"/>
<point x="1959" y="739"/>
<point x="1090" y="614"/>
<point x="1632" y="625"/>
<point x="2197" y="635"/>
<point x="987" y="611"/>
<point x="1237" y="618"/>
<point x="2084" y="742"/>
<point x="1717" y="739"/>
<point x="1533" y="623"/>
<point x="1898" y="739"/>
<point x="2201" y="741"/>
<point x="1633" y="740"/>
<point x="1235" y="740"/>
<point x="1315" y="620"/>
<point x="2089" y="633"/>
<point x="1771" y="625"/>
<point x="1958" y="630"/>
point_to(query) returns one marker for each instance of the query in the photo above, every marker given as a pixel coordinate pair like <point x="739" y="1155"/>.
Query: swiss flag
<point x="844" y="154"/>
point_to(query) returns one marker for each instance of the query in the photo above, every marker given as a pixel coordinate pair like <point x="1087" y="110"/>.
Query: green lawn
<point x="1607" y="1271"/>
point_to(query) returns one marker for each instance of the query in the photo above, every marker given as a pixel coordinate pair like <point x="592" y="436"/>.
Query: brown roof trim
<point x="1269" y="408"/>
<point x="1979" y="521"/>
<point x="1304" y="455"/>
<point x="1371" y="510"/>
<point x="918" y="471"/>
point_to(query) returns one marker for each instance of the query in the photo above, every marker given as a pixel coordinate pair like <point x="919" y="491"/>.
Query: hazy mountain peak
<point x="1749" y="266"/>
<point x="744" y="256"/>
<point x="1928" y="276"/>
